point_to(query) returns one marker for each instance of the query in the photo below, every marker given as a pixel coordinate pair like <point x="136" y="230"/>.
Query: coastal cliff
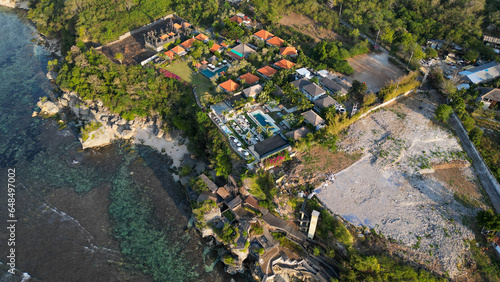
<point x="15" y="4"/>
<point x="98" y="126"/>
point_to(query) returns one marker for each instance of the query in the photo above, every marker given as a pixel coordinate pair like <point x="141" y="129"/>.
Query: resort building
<point x="229" y="86"/>
<point x="310" y="89"/>
<point x="325" y="102"/>
<point x="216" y="48"/>
<point x="241" y="19"/>
<point x="267" y="71"/>
<point x="298" y="133"/>
<point x="332" y="87"/>
<point x="169" y="54"/>
<point x="482" y="73"/>
<point x="270" y="146"/>
<point x="241" y="51"/>
<point x="252" y="91"/>
<point x="313" y="91"/>
<point x="248" y="78"/>
<point x="489" y="96"/>
<point x="314" y="119"/>
<point x="288" y="51"/>
<point x="263" y="35"/>
<point x="275" y="41"/>
<point x="305" y="73"/>
<point x="284" y="64"/>
<point x="179" y="50"/>
<point x="209" y="183"/>
<point x="202" y="37"/>
<point x="188" y="43"/>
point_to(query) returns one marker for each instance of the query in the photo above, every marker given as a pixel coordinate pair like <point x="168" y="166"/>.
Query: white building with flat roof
<point x="312" y="225"/>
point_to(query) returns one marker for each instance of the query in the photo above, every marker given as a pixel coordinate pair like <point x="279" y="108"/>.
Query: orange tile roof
<point x="215" y="48"/>
<point x="236" y="19"/>
<point x="171" y="34"/>
<point x="186" y="24"/>
<point x="201" y="37"/>
<point x="263" y="34"/>
<point x="198" y="65"/>
<point x="188" y="43"/>
<point x="229" y="85"/>
<point x="178" y="26"/>
<point x="170" y="54"/>
<point x="249" y="78"/>
<point x="287" y="51"/>
<point x="163" y="37"/>
<point x="267" y="71"/>
<point x="276" y="41"/>
<point x="223" y="44"/>
<point x="178" y="49"/>
<point x="284" y="64"/>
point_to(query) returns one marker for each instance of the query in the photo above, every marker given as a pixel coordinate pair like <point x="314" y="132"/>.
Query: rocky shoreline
<point x="15" y="4"/>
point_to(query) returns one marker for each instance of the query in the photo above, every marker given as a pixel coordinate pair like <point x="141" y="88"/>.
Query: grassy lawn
<point x="255" y="190"/>
<point x="197" y="79"/>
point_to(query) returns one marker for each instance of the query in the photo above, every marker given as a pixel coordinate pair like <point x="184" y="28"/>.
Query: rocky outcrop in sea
<point x="98" y="125"/>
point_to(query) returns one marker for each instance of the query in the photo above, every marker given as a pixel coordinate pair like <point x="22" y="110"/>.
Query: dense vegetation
<point x="470" y="110"/>
<point x="402" y="24"/>
<point x="136" y="91"/>
<point x="382" y="268"/>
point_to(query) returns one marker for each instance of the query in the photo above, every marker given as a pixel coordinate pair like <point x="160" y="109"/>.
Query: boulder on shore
<point x="48" y="108"/>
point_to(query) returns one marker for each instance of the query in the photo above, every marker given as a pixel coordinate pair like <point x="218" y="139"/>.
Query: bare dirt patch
<point x="456" y="177"/>
<point x="374" y="69"/>
<point x="318" y="161"/>
<point x="400" y="187"/>
<point x="308" y="26"/>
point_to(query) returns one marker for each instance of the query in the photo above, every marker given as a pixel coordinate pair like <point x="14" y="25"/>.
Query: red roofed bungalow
<point x="267" y="71"/>
<point x="263" y="35"/>
<point x="170" y="54"/>
<point x="204" y="62"/>
<point x="236" y="19"/>
<point x="202" y="37"/>
<point x="215" y="48"/>
<point x="251" y="201"/>
<point x="188" y="43"/>
<point x="249" y="78"/>
<point x="288" y="51"/>
<point x="179" y="50"/>
<point x="284" y="64"/>
<point x="275" y="41"/>
<point x="229" y="86"/>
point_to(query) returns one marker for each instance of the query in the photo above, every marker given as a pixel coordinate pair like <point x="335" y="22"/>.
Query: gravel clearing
<point x="393" y="189"/>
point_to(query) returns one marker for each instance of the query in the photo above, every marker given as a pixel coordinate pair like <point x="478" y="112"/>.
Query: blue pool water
<point x="261" y="119"/>
<point x="237" y="53"/>
<point x="208" y="73"/>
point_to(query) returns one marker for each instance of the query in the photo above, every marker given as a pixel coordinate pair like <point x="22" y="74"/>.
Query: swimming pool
<point x="237" y="53"/>
<point x="264" y="121"/>
<point x="261" y="119"/>
<point x="208" y="73"/>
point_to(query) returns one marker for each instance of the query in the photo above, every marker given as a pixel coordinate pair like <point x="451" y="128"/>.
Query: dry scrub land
<point x="412" y="184"/>
<point x="308" y="26"/>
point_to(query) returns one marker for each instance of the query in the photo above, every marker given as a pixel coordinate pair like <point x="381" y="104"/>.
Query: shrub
<point x="443" y="112"/>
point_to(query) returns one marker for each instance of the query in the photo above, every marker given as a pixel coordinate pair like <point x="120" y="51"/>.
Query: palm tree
<point x="268" y="130"/>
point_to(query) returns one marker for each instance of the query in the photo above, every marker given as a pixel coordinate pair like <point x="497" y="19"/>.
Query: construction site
<point x="413" y="184"/>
